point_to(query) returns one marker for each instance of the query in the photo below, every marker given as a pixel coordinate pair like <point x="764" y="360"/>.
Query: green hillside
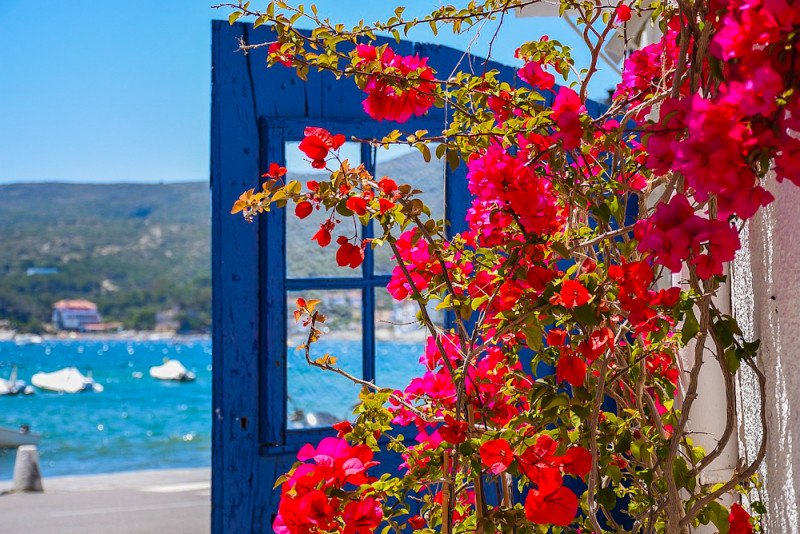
<point x="136" y="249"/>
<point x="133" y="249"/>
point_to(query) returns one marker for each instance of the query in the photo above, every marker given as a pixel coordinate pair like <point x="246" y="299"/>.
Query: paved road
<point x="176" y="501"/>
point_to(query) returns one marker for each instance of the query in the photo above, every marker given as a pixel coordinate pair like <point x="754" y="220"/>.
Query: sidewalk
<point x="175" y="501"/>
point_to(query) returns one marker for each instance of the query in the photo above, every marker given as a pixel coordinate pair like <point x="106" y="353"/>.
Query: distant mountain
<point x="136" y="249"/>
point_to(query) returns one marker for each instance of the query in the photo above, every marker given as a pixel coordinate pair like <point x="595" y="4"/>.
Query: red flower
<point x="623" y="13"/>
<point x="290" y="519"/>
<point x="510" y="293"/>
<point x="323" y="237"/>
<point x="274" y="50"/>
<point x="556" y="337"/>
<point x="338" y="461"/>
<point x="387" y="186"/>
<point x="500" y="105"/>
<point x="574" y="294"/>
<point x="453" y="431"/>
<point x="357" y="205"/>
<point x="275" y="171"/>
<point x="571" y="369"/>
<point x="362" y="517"/>
<point x="348" y="254"/>
<point x="316" y="507"/>
<point x="317" y="143"/>
<point x="343" y="428"/>
<point x="567" y="109"/>
<point x="496" y="455"/>
<point x="416" y="522"/>
<point x="552" y="503"/>
<point x="577" y="461"/>
<point x="385" y="205"/>
<point x="599" y="342"/>
<point x="739" y="521"/>
<point x="303" y="209"/>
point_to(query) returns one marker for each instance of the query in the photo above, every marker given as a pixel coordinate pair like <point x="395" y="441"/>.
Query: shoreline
<point x="121" y="477"/>
<point x="128" y="335"/>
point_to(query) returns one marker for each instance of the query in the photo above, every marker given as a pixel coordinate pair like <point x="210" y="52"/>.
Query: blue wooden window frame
<point x="274" y="436"/>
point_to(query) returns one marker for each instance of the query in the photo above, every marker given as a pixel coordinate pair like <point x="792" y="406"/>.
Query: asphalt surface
<point x="176" y="501"/>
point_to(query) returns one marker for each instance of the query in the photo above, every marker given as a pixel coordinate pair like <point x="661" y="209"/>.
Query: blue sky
<point x="119" y="91"/>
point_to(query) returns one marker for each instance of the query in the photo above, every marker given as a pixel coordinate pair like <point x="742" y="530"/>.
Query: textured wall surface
<point x="766" y="303"/>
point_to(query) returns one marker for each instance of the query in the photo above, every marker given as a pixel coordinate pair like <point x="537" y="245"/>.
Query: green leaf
<point x="233" y="17"/>
<point x="586" y="315"/>
<point x="561" y="249"/>
<point x="426" y="152"/>
<point x="606" y="498"/>
<point x="732" y="359"/>
<point x="690" y="326"/>
<point x="718" y="515"/>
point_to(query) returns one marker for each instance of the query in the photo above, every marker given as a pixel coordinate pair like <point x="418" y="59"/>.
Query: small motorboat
<point x="67" y="380"/>
<point x="172" y="370"/>
<point x="11" y="439"/>
<point x="13" y="386"/>
<point x="28" y="339"/>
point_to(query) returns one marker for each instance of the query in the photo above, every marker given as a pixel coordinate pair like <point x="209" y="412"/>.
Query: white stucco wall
<point x="766" y="303"/>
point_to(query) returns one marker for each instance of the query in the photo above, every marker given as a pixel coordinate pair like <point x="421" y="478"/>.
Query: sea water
<point x="139" y="422"/>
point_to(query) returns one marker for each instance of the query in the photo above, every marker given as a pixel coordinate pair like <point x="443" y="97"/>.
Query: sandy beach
<point x="177" y="501"/>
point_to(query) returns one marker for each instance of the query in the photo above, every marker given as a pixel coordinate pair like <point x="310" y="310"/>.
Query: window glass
<point x="399" y="340"/>
<point x="317" y="397"/>
<point x="405" y="165"/>
<point x="304" y="257"/>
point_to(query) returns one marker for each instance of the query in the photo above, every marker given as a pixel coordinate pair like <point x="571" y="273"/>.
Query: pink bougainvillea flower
<point x="534" y="75"/>
<point x="567" y="111"/>
<point x="385" y="99"/>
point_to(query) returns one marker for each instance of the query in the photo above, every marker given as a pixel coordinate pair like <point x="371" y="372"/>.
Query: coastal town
<point x="80" y="318"/>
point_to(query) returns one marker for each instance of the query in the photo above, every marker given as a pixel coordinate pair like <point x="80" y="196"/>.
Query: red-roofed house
<point x="75" y="315"/>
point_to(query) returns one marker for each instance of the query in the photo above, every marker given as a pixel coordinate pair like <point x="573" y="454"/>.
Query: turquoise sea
<point x="135" y="423"/>
<point x="138" y="422"/>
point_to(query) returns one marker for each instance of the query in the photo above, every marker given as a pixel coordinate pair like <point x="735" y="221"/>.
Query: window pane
<point x="399" y="340"/>
<point x="317" y="397"/>
<point x="304" y="257"/>
<point x="405" y="165"/>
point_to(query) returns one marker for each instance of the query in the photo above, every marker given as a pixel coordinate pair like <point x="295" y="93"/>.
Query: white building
<point x="75" y="314"/>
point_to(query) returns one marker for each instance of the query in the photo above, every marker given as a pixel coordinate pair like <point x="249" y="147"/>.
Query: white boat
<point x="13" y="386"/>
<point x="67" y="380"/>
<point x="7" y="335"/>
<point x="28" y="339"/>
<point x="172" y="370"/>
<point x="11" y="439"/>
